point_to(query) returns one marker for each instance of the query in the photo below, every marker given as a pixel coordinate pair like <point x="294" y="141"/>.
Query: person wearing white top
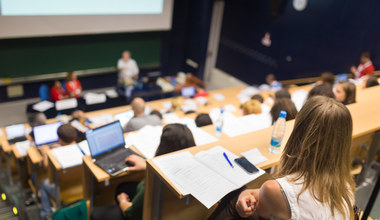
<point x="128" y="73"/>
<point x="313" y="177"/>
<point x="127" y="67"/>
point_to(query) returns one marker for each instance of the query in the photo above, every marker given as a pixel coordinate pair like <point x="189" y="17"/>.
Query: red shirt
<point x="56" y="94"/>
<point x="74" y="88"/>
<point x="365" y="69"/>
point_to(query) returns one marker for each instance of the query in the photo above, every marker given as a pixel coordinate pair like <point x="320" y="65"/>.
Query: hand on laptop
<point x="136" y="163"/>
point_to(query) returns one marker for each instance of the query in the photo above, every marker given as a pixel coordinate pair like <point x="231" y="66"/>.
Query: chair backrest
<point x="77" y="211"/>
<point x="44" y="92"/>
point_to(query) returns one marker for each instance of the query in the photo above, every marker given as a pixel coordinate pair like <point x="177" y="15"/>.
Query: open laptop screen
<point x="105" y="138"/>
<point x="15" y="131"/>
<point x="188" y="91"/>
<point x="45" y="134"/>
<point x="124" y="117"/>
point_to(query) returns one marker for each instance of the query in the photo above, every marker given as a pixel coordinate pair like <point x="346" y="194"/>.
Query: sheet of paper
<point x="66" y="104"/>
<point x="190" y="105"/>
<point x="101" y="119"/>
<point x="191" y="176"/>
<point x="147" y="140"/>
<point x="201" y="100"/>
<point x="254" y="156"/>
<point x="201" y="137"/>
<point x="14" y="131"/>
<point x="243" y="98"/>
<point x="265" y="108"/>
<point x="215" y="112"/>
<point x="229" y="108"/>
<point x="94" y="98"/>
<point x="299" y="97"/>
<point x="250" y="91"/>
<point x="170" y="118"/>
<point x="22" y="147"/>
<point x="68" y="156"/>
<point x="83" y="145"/>
<point x="215" y="160"/>
<point x="219" y="97"/>
<point x="76" y="124"/>
<point x="246" y="124"/>
<point x="43" y="106"/>
<point x="112" y="93"/>
<point x="167" y="105"/>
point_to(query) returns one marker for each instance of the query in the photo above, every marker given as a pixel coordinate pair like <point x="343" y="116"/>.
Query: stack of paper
<point x="170" y="118"/>
<point x="112" y="93"/>
<point x="22" y="147"/>
<point x="146" y="140"/>
<point x="43" y="106"/>
<point x="246" y="124"/>
<point x="190" y="105"/>
<point x="207" y="175"/>
<point x="68" y="156"/>
<point x="76" y="124"/>
<point x="94" y="98"/>
<point x="66" y="104"/>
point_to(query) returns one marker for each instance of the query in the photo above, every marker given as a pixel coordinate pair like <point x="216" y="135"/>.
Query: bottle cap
<point x="282" y="114"/>
<point x="222" y="110"/>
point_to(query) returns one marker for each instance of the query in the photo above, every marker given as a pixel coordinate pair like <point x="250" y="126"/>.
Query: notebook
<point x="15" y="133"/>
<point x="46" y="134"/>
<point x="124" y="117"/>
<point x="107" y="148"/>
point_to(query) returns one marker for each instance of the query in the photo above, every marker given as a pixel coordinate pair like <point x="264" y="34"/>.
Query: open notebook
<point x="207" y="175"/>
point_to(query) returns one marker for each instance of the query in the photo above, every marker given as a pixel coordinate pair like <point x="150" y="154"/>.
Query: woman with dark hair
<point x="283" y="104"/>
<point x="203" y="119"/>
<point x="174" y="137"/>
<point x="282" y="93"/>
<point x="345" y="92"/>
<point x="371" y="81"/>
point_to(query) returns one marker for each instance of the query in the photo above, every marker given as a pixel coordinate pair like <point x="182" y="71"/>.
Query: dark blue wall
<point x="329" y="35"/>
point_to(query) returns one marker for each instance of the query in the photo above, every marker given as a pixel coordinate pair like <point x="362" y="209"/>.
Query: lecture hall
<point x="189" y="109"/>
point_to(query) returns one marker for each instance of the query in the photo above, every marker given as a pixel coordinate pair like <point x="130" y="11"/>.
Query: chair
<point x="77" y="211"/>
<point x="44" y="92"/>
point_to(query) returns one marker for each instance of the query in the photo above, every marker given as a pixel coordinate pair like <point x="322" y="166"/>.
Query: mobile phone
<point x="246" y="165"/>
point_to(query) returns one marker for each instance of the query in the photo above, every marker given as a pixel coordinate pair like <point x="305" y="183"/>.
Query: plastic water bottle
<point x="278" y="133"/>
<point x="219" y="124"/>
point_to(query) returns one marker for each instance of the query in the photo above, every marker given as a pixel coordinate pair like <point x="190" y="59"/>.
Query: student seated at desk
<point x="371" y="81"/>
<point x="324" y="89"/>
<point x="345" y="92"/>
<point x="73" y="86"/>
<point x="35" y="119"/>
<point x="57" y="92"/>
<point x="140" y="119"/>
<point x="258" y="98"/>
<point x="67" y="135"/>
<point x="326" y="77"/>
<point x="314" y="180"/>
<point x="283" y="104"/>
<point x="203" y="119"/>
<point x="282" y="93"/>
<point x="174" y="137"/>
<point x="251" y="107"/>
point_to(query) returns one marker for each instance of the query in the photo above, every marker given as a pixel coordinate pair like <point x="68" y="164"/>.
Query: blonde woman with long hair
<point x="314" y="180"/>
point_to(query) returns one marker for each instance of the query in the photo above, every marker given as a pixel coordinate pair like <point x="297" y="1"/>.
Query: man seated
<point x="67" y="135"/>
<point x="365" y="67"/>
<point x="140" y="119"/>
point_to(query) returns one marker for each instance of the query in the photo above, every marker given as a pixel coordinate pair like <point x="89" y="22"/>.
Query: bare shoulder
<point x="273" y="199"/>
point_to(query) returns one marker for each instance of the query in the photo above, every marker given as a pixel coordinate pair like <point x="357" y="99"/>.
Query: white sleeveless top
<point x="306" y="207"/>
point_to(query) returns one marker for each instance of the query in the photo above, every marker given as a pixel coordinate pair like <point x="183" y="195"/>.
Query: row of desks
<point x="95" y="180"/>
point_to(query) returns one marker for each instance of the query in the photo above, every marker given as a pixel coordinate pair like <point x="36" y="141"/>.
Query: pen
<point x="228" y="160"/>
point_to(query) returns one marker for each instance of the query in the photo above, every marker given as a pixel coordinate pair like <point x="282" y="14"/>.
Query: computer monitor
<point x="188" y="91"/>
<point x="105" y="138"/>
<point x="124" y="117"/>
<point x="341" y="77"/>
<point x="46" y="134"/>
<point x="15" y="131"/>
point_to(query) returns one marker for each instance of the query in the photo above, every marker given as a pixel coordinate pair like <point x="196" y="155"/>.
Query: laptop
<point x="107" y="148"/>
<point x="188" y="91"/>
<point x="46" y="134"/>
<point x="15" y="133"/>
<point x="124" y="117"/>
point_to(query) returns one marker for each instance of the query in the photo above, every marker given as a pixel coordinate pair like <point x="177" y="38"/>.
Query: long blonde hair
<point x="318" y="154"/>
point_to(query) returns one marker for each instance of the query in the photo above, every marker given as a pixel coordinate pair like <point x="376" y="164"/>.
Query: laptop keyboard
<point x="115" y="160"/>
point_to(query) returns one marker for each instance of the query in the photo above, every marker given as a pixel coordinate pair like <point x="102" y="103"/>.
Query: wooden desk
<point x="99" y="187"/>
<point x="35" y="168"/>
<point x="21" y="166"/>
<point x="366" y="121"/>
<point x="68" y="182"/>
